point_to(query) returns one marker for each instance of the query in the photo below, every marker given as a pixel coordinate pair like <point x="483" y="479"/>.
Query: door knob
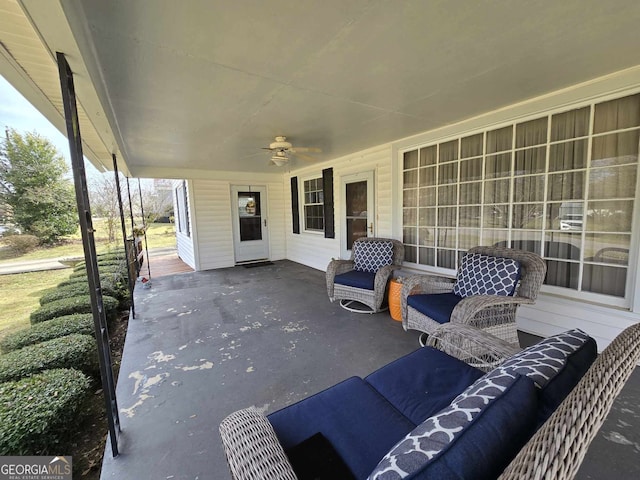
<point x="371" y="228"/>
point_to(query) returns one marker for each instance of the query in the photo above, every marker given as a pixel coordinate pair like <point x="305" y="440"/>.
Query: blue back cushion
<point x="423" y="382"/>
<point x="437" y="306"/>
<point x="354" y="278"/>
<point x="473" y="438"/>
<point x="486" y="275"/>
<point x="556" y="364"/>
<point x="360" y="424"/>
<point x="371" y="256"/>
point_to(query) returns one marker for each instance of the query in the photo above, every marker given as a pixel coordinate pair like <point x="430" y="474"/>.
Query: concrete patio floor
<point x="204" y="344"/>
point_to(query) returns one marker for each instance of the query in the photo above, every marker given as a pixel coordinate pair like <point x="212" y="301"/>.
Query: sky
<point x="16" y="112"/>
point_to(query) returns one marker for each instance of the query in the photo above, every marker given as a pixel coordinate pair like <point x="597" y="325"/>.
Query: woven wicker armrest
<point x="557" y="449"/>
<point x="252" y="447"/>
<point x="336" y="267"/>
<point x="416" y="284"/>
<point x="469" y="307"/>
<point x="471" y="345"/>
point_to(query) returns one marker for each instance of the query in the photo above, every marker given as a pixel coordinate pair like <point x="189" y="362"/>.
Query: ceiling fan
<point x="281" y="149"/>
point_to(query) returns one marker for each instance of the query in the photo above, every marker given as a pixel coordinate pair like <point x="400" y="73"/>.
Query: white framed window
<point x="182" y="212"/>
<point x="562" y="185"/>
<point x="313" y="205"/>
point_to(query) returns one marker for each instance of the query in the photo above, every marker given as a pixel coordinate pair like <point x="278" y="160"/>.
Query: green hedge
<point x="73" y="351"/>
<point x="36" y="412"/>
<point x="71" y="305"/>
<point x="120" y="263"/>
<point x="114" y="270"/>
<point x="41" y="332"/>
<point x="81" y="288"/>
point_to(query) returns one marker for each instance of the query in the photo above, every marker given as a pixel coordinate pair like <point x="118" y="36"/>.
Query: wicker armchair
<point x="347" y="284"/>
<point x="494" y="313"/>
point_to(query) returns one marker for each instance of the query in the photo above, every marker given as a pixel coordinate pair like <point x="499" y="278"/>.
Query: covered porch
<point x="205" y="344"/>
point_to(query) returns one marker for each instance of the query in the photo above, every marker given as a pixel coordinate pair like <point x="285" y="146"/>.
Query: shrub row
<point x="71" y="305"/>
<point x="36" y="411"/>
<point x="41" y="332"/>
<point x="78" y="289"/>
<point x="73" y="351"/>
<point x="104" y="264"/>
<point x="106" y="270"/>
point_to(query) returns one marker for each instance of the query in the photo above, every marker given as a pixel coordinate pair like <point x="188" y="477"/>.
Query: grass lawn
<point x="20" y="295"/>
<point x="158" y="235"/>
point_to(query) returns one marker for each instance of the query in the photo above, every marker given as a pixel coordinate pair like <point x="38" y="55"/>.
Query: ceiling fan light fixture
<point x="279" y="160"/>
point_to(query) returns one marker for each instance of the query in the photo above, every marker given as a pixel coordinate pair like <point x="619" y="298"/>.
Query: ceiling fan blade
<point x="305" y="149"/>
<point x="302" y="156"/>
<point x="266" y="148"/>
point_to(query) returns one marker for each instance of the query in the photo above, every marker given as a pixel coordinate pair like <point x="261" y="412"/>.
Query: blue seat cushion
<point x="423" y="383"/>
<point x="357" y="279"/>
<point x="437" y="306"/>
<point x="360" y="424"/>
<point x="474" y="438"/>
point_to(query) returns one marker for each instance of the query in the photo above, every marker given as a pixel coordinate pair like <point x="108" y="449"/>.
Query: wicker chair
<point x="494" y="313"/>
<point x="368" y="288"/>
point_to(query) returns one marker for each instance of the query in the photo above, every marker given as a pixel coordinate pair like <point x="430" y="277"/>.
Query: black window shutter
<point x="327" y="188"/>
<point x="295" y="207"/>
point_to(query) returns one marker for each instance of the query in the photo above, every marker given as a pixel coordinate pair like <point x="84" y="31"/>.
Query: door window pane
<point x="250" y="216"/>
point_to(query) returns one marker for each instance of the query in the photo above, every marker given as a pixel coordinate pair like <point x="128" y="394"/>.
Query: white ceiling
<point x="203" y="85"/>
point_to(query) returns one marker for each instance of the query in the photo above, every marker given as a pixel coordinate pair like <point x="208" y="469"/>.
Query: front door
<point x="250" y="234"/>
<point x="357" y="210"/>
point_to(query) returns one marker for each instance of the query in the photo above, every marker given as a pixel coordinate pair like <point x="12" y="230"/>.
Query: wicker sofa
<point x="430" y="415"/>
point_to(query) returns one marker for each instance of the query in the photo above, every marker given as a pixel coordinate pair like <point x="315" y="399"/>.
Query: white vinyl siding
<point x="315" y="250"/>
<point x="184" y="242"/>
<point x="212" y="215"/>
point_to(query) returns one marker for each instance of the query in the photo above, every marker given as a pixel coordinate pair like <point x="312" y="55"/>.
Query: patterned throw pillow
<point x="486" y="275"/>
<point x="372" y="256"/>
<point x="544" y="360"/>
<point x="433" y="435"/>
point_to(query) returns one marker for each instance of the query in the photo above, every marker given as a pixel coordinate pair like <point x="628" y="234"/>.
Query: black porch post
<point x="144" y="226"/>
<point x="124" y="235"/>
<point x="88" y="242"/>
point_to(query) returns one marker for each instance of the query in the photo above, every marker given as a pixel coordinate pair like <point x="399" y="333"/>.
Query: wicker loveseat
<point x="430" y="415"/>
